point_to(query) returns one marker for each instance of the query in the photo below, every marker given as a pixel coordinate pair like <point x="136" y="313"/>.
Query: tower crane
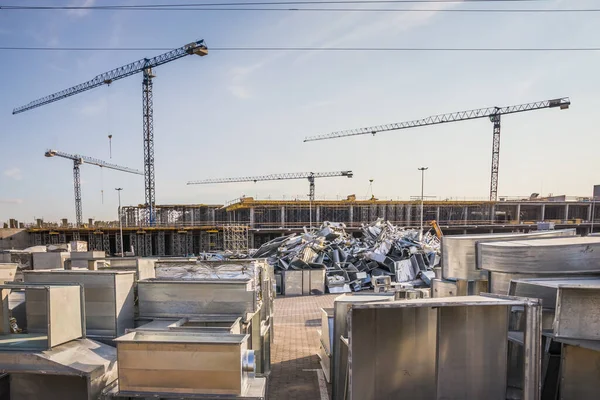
<point x="77" y="161"/>
<point x="276" y="177"/>
<point x="493" y="113"/>
<point x="145" y="66"/>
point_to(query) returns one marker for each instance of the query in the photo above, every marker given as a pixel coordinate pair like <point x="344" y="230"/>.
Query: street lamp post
<point x="120" y="221"/>
<point x="422" y="169"/>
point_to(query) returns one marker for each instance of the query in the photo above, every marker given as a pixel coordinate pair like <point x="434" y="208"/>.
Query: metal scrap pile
<point x="383" y="249"/>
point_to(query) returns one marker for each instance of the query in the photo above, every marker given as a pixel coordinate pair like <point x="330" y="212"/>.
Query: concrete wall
<point x="13" y="239"/>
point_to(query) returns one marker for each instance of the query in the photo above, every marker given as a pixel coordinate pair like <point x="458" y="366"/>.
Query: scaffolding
<point x="235" y="238"/>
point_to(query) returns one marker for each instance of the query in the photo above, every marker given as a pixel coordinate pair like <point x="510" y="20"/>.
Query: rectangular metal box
<point x="460" y="287"/>
<point x="449" y="348"/>
<point x="77" y="370"/>
<point x="109" y="299"/>
<point x="143" y="266"/>
<point x="79" y="259"/>
<point x="574" y="304"/>
<point x="303" y="282"/>
<point x="54" y="313"/>
<point x="50" y="260"/>
<point x="178" y="298"/>
<point x="183" y="363"/>
<point x="339" y="364"/>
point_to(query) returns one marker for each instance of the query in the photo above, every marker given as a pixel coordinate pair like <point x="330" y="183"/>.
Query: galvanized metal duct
<point x="572" y="255"/>
<point x="459" y="252"/>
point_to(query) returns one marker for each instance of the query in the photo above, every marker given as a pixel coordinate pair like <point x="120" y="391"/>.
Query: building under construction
<point x="195" y="228"/>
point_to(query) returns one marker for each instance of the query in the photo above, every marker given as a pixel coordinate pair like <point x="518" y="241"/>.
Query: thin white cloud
<point x="14" y="173"/>
<point x="11" y="201"/>
<point x="239" y="91"/>
<point x="241" y="74"/>
<point x="79" y="3"/>
<point x="355" y="28"/>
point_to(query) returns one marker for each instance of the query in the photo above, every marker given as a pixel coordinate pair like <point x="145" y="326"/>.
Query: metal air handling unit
<point x="209" y="289"/>
<point x="53" y="360"/>
<point x="169" y="363"/>
<point x="553" y="257"/>
<point x="109" y="299"/>
<point x="450" y="348"/>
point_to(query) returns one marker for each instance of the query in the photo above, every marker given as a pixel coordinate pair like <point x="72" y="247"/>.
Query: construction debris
<point x="350" y="262"/>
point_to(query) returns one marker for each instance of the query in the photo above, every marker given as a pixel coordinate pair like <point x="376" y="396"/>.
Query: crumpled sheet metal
<point x="202" y="271"/>
<point x="377" y="252"/>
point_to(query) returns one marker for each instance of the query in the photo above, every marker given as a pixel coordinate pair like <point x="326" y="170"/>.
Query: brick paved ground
<point x="295" y="349"/>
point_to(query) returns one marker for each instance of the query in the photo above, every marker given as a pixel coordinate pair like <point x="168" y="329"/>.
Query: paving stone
<point x="295" y="347"/>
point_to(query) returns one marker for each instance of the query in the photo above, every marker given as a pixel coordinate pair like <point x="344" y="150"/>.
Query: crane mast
<point x="275" y="177"/>
<point x="145" y="66"/>
<point x="493" y="113"/>
<point x="78" y="160"/>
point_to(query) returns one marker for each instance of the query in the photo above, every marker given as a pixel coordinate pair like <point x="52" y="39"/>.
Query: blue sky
<point x="246" y="113"/>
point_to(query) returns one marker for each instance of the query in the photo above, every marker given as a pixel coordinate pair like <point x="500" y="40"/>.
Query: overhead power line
<point x="235" y="8"/>
<point x="322" y="49"/>
<point x="256" y="3"/>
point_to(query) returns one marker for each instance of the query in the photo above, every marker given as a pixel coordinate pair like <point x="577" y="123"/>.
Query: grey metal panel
<point x="124" y="302"/>
<point x="580" y="373"/>
<point x="306" y="282"/>
<point x="327" y="328"/>
<point x="459" y="258"/>
<point x="48" y="387"/>
<point x="49" y="260"/>
<point x="400" y="355"/>
<point x="292" y="283"/>
<point x="578" y="312"/>
<point x="65" y="311"/>
<point x="340" y="328"/>
<point x="317" y="281"/>
<point x="164" y="298"/>
<point x="571" y="255"/>
<point x="472" y="352"/>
